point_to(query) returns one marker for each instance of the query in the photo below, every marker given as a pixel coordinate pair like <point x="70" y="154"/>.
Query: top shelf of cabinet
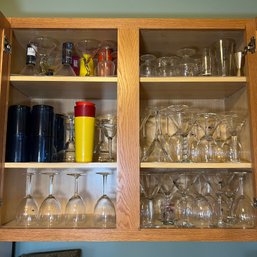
<point x="66" y="87"/>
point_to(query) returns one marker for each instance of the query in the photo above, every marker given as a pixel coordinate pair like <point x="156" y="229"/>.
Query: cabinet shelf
<point x="60" y="165"/>
<point x="190" y="87"/>
<point x="66" y="87"/>
<point x="168" y="165"/>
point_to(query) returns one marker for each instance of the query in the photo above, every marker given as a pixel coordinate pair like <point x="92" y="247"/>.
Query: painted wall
<point x="130" y="8"/>
<point x="135" y="8"/>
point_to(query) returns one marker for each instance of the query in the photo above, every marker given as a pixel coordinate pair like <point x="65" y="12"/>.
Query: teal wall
<point x="130" y="8"/>
<point x="136" y="8"/>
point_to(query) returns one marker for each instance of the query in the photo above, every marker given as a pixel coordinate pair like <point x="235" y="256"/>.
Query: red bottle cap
<point x="84" y="109"/>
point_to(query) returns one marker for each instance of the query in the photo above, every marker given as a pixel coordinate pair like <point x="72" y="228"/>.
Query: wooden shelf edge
<point x="17" y="78"/>
<point x="211" y="79"/>
<point x="168" y="165"/>
<point x="171" y="235"/>
<point x="59" y="165"/>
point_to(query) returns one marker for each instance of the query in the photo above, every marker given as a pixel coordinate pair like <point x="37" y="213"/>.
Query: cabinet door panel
<point x="4" y="91"/>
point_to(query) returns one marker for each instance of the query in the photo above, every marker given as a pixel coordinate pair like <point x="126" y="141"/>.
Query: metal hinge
<point x="255" y="202"/>
<point x="251" y="47"/>
<point x="7" y="46"/>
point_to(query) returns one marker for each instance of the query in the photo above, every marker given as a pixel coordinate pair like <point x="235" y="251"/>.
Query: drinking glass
<point x="104" y="211"/>
<point x="243" y="212"/>
<point x="50" y="208"/>
<point x="163" y="67"/>
<point x="203" y="212"/>
<point x="27" y="211"/>
<point x="234" y="123"/>
<point x="185" y="205"/>
<point x="207" y="145"/>
<point x="150" y="185"/>
<point x="110" y="131"/>
<point x="167" y="206"/>
<point x="187" y="64"/>
<point x="156" y="150"/>
<point x="148" y="65"/>
<point x="101" y="150"/>
<point x="184" y="121"/>
<point x="75" y="210"/>
<point x="45" y="45"/>
<point x="69" y="151"/>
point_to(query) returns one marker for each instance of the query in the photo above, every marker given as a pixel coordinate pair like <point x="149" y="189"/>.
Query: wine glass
<point x="75" y="210"/>
<point x="50" y="208"/>
<point x="243" y="212"/>
<point x="104" y="211"/>
<point x="27" y="211"/>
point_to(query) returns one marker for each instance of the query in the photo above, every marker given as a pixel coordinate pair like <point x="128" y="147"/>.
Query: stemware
<point x="157" y="150"/>
<point x="27" y="211"/>
<point x="167" y="206"/>
<point x="69" y="151"/>
<point x="187" y="64"/>
<point x="110" y="131"/>
<point x="148" y="65"/>
<point x="104" y="211"/>
<point x="243" y="212"/>
<point x="88" y="49"/>
<point x="50" y="208"/>
<point x="207" y="145"/>
<point x="150" y="185"/>
<point x="184" y="207"/>
<point x="184" y="120"/>
<point x="45" y="45"/>
<point x="203" y="212"/>
<point x="234" y="123"/>
<point x="75" y="210"/>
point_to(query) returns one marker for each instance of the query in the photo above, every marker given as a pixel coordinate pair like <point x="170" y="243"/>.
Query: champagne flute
<point x="26" y="213"/>
<point x="104" y="211"/>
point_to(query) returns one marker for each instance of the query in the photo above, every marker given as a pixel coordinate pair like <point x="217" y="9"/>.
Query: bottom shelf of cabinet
<point x="204" y="235"/>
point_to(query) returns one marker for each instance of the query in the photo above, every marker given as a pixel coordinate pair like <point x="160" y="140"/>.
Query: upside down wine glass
<point x="50" y="209"/>
<point x="104" y="211"/>
<point x="75" y="210"/>
<point x="26" y="213"/>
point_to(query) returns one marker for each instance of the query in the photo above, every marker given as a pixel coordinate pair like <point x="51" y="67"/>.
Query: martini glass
<point x="75" y="210"/>
<point x="45" y="45"/>
<point x="26" y="213"/>
<point x="50" y="209"/>
<point x="104" y="211"/>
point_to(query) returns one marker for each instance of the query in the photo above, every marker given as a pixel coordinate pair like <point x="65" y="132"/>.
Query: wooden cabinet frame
<point x="128" y="104"/>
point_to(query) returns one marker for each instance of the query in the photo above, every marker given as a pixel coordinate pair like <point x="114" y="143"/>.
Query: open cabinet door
<point x="4" y="91"/>
<point x="251" y="63"/>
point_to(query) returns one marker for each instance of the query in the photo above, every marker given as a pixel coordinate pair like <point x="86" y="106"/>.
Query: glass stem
<point x="76" y="184"/>
<point x="51" y="177"/>
<point x="110" y="147"/>
<point x="104" y="183"/>
<point x="28" y="183"/>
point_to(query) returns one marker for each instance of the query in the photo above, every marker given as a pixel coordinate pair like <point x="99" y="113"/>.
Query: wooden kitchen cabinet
<point x="125" y="95"/>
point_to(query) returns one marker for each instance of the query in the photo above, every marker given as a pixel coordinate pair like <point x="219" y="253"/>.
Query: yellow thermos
<point x="84" y="113"/>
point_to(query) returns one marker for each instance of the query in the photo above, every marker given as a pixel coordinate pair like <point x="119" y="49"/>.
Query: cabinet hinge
<point x="251" y="47"/>
<point x="7" y="46"/>
<point x="255" y="202"/>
